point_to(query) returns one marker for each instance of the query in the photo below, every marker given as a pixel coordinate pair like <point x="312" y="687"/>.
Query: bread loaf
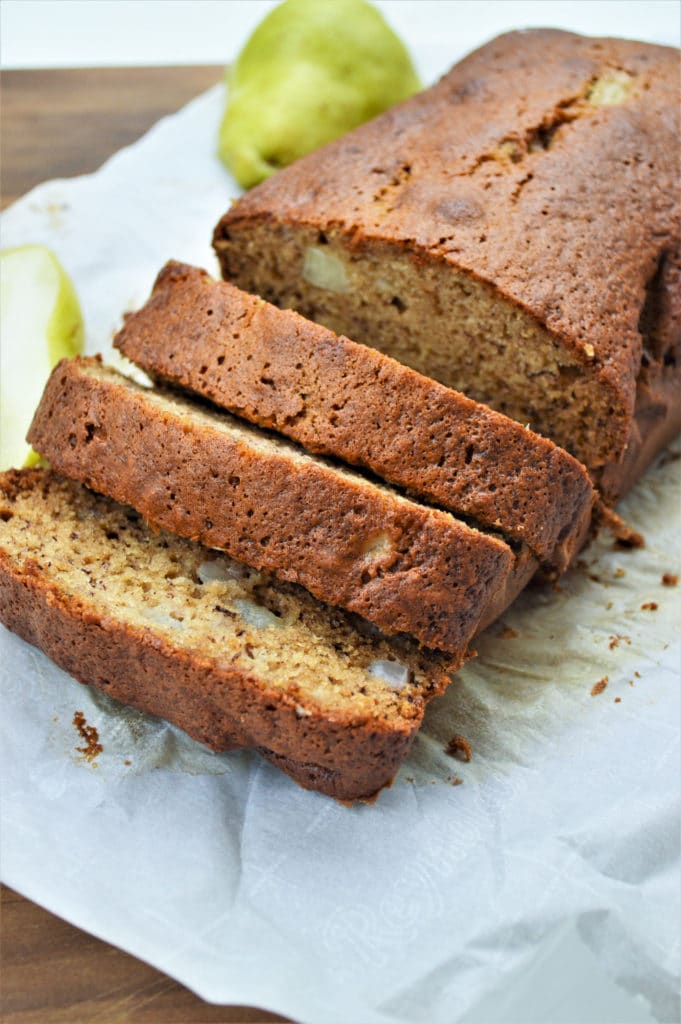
<point x="513" y="232"/>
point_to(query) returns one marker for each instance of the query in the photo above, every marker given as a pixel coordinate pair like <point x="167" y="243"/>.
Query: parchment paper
<point x="223" y="873"/>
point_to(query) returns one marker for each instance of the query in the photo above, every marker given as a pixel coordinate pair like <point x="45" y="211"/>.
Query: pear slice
<point x="40" y="323"/>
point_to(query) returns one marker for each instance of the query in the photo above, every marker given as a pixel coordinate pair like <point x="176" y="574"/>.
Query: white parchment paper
<point x="223" y="873"/>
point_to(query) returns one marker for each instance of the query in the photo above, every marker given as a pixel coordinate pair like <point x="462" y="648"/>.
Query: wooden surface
<point x="58" y="124"/>
<point x="61" y="123"/>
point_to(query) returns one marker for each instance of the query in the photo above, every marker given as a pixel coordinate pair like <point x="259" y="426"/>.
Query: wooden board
<point x="59" y="124"/>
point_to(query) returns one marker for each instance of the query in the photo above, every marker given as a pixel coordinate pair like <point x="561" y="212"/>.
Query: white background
<point x="567" y="985"/>
<point x="83" y="33"/>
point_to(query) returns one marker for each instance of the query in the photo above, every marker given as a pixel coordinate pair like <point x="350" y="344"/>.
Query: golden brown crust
<point x="338" y="398"/>
<point x="657" y="411"/>
<point x="405" y="567"/>
<point x="521" y="170"/>
<point x="342" y="754"/>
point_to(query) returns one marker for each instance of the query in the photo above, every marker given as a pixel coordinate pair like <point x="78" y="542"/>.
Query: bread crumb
<point x="629" y="538"/>
<point x="457" y="782"/>
<point x="617" y="700"/>
<point x="637" y="674"/>
<point x="620" y="573"/>
<point x="92" y="747"/>
<point x="509" y="634"/>
<point x="460" y="748"/>
<point x="599" y="686"/>
<point x="615" y="641"/>
<point x="669" y="579"/>
<point x="625" y="536"/>
<point x="649" y="606"/>
<point x="631" y="682"/>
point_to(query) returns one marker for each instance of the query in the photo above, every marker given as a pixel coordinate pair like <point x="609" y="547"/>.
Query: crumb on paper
<point x="669" y="579"/>
<point x="620" y="573"/>
<point x="614" y="641"/>
<point x="630" y="539"/>
<point x="599" y="686"/>
<point x="457" y="781"/>
<point x="127" y="761"/>
<point x="54" y="212"/>
<point x="91" y="748"/>
<point x="460" y="748"/>
<point x="617" y="700"/>
<point x="637" y="674"/>
<point x="631" y="682"/>
<point x="649" y="606"/>
<point x="624" y="535"/>
<point x="509" y="634"/>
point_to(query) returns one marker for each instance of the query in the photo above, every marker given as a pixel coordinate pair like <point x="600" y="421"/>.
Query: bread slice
<point x="231" y="656"/>
<point x="512" y="232"/>
<point x="202" y="474"/>
<point x="341" y="399"/>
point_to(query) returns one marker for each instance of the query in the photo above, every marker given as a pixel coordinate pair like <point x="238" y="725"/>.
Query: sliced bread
<point x="231" y="656"/>
<point x="202" y="474"/>
<point x="338" y="398"/>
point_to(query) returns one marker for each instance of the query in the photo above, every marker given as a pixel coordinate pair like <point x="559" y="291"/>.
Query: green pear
<point x="312" y="71"/>
<point x="40" y="322"/>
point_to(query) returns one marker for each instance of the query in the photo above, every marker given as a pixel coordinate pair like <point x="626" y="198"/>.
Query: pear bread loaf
<point x="349" y="401"/>
<point x="202" y="474"/>
<point x="230" y="655"/>
<point x="513" y="232"/>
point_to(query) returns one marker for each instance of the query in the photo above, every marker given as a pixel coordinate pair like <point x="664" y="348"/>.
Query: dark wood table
<point x="58" y="124"/>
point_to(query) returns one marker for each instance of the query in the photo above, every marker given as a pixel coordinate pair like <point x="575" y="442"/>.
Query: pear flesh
<point x="312" y="71"/>
<point x="40" y="323"/>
